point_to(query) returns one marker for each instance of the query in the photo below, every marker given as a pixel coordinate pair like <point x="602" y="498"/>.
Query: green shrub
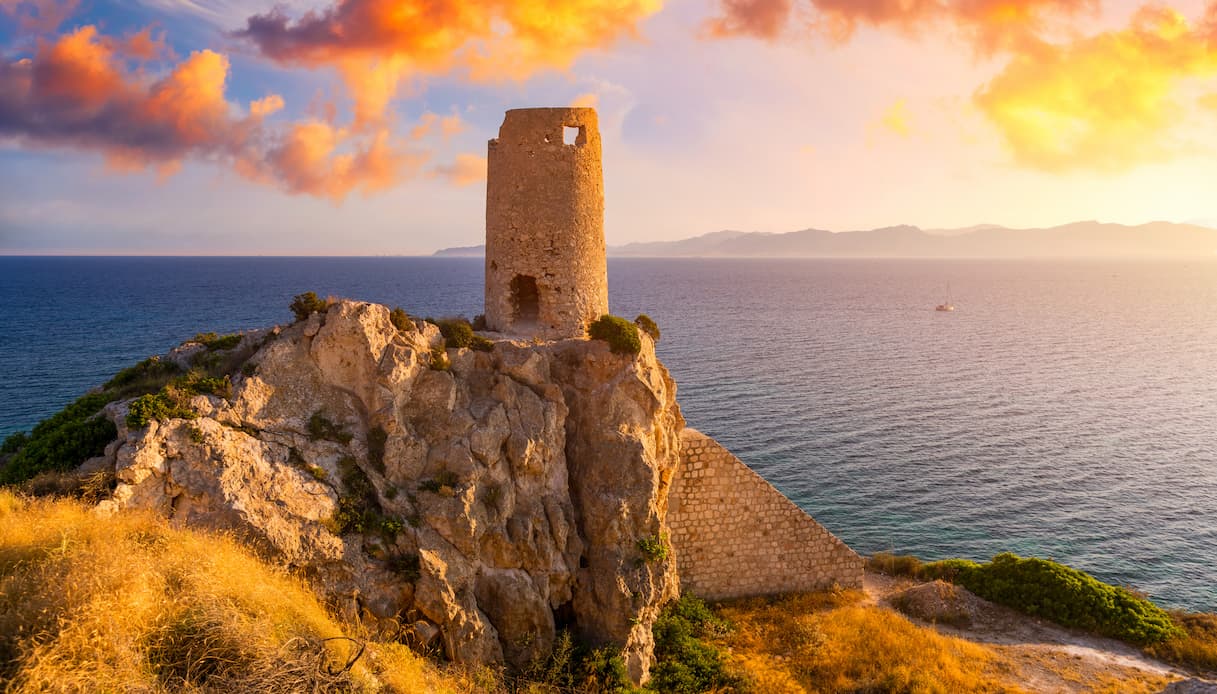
<point x="148" y="376"/>
<point x="445" y="478"/>
<point x="63" y="441"/>
<point x="14" y="442"/>
<point x="215" y="342"/>
<point x="602" y="671"/>
<point x="457" y="332"/>
<point x="479" y="322"/>
<point x="196" y="383"/>
<point x="946" y="569"/>
<point x="1062" y="594"/>
<point x="358" y="506"/>
<point x="481" y="344"/>
<point x="572" y="667"/>
<point x="320" y="427"/>
<point x="401" y="320"/>
<point x="76" y="433"/>
<point x="648" y="326"/>
<point x="653" y="548"/>
<point x="894" y="564"/>
<point x="166" y="404"/>
<point x="439" y="359"/>
<point x="684" y="662"/>
<point x="621" y="334"/>
<point x="306" y="304"/>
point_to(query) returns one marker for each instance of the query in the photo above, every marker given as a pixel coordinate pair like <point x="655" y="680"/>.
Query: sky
<point x="359" y="127"/>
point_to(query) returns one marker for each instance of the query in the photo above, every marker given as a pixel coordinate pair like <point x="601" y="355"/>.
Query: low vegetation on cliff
<point x="621" y="334"/>
<point x="1073" y="598"/>
<point x="128" y="603"/>
<point x="160" y="387"/>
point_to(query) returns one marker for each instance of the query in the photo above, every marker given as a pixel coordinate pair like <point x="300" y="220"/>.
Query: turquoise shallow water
<point x="1066" y="409"/>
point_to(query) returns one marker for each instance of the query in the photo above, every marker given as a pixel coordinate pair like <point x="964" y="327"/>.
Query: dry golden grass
<point x="829" y="642"/>
<point x="1197" y="650"/>
<point x="128" y="604"/>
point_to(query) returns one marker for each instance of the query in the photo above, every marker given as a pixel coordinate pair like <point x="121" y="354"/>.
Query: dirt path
<point x="1040" y="656"/>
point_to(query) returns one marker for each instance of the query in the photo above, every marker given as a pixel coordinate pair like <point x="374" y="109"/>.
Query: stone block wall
<point x="735" y="535"/>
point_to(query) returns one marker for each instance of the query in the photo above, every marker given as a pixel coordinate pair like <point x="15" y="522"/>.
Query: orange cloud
<point x="587" y="100"/>
<point x="992" y="25"/>
<point x="376" y="44"/>
<point x="77" y="92"/>
<point x="466" y="170"/>
<point x="267" y="105"/>
<point x="313" y="158"/>
<point x="447" y="126"/>
<point x="1107" y="102"/>
<point x="142" y="45"/>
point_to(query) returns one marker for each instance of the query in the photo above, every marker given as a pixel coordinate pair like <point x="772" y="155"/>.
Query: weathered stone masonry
<point x="734" y="535"/>
<point x="545" y="264"/>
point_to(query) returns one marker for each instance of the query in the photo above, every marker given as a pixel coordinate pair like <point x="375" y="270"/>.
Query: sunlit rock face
<point x="486" y="505"/>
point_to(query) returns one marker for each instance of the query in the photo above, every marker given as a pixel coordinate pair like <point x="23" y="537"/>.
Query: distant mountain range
<point x="1077" y="240"/>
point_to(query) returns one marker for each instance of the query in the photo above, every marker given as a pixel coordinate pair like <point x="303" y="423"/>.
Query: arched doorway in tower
<point x="525" y="299"/>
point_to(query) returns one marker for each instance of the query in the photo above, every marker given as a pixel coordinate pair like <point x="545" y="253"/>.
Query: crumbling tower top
<point x="545" y="264"/>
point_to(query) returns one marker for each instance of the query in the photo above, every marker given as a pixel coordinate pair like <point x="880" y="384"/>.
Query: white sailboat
<point x="946" y="305"/>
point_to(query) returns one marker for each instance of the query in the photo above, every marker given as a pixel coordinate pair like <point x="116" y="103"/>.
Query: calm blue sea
<point x="1065" y="410"/>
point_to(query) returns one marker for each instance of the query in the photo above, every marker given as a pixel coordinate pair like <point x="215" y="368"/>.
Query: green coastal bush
<point x="573" y="667"/>
<point x="685" y="662"/>
<point x="621" y="334"/>
<point x="306" y="304"/>
<point x="1062" y="594"/>
<point x="894" y="564"/>
<point x="457" y="332"/>
<point x="653" y="548"/>
<point x="173" y="400"/>
<point x="215" y="342"/>
<point x="78" y="432"/>
<point x="401" y="320"/>
<point x="439" y="359"/>
<point x="168" y="403"/>
<point x="321" y="428"/>
<point x="648" y="326"/>
<point x="148" y="376"/>
<point x="68" y="438"/>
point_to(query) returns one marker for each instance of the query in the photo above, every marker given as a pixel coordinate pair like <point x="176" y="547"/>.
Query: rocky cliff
<point x="481" y="499"/>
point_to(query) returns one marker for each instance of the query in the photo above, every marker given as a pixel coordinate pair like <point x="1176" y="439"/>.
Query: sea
<point x="1066" y="409"/>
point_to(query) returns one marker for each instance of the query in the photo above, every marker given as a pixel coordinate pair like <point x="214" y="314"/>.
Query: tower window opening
<point x="525" y="298"/>
<point x="572" y="135"/>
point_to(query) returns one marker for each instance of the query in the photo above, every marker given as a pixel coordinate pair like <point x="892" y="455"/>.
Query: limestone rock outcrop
<point x="499" y="499"/>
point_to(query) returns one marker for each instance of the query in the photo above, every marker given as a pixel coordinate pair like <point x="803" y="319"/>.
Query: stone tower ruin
<point x="545" y="265"/>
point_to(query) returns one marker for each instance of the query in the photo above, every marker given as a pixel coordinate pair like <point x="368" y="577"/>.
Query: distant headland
<point x="1088" y="239"/>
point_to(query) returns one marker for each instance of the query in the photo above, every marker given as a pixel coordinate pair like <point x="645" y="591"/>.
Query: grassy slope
<point x="128" y="603"/>
<point x="832" y="642"/>
<point x="838" y="642"/>
<point x="1075" y="599"/>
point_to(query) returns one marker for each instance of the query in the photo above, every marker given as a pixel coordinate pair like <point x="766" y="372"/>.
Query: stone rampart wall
<point x="735" y="535"/>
